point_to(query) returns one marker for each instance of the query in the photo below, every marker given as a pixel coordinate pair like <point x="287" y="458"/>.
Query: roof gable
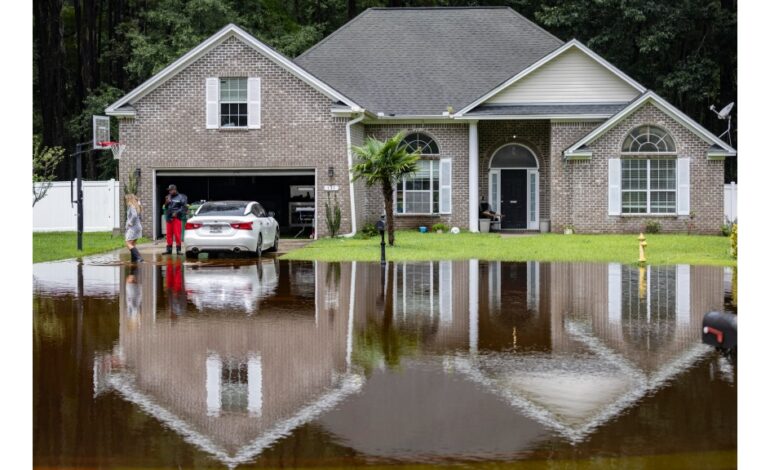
<point x="419" y="61"/>
<point x="122" y="106"/>
<point x="719" y="148"/>
<point x="552" y="79"/>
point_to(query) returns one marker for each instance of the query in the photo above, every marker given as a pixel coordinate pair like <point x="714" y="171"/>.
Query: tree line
<point x="88" y="53"/>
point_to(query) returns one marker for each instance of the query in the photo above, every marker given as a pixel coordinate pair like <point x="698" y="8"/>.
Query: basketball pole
<point x="80" y="149"/>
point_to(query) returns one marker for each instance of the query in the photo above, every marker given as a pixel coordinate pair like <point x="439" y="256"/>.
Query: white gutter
<point x="350" y="175"/>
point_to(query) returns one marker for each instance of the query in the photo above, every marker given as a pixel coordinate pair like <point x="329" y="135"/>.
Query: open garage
<point x="290" y="195"/>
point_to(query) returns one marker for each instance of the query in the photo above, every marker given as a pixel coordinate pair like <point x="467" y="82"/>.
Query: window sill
<point x="636" y="216"/>
<point x="235" y="129"/>
<point x="419" y="215"/>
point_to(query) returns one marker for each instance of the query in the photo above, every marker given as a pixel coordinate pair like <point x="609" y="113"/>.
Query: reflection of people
<point x="175" y="294"/>
<point x="133" y="297"/>
<point x="133" y="226"/>
<point x="486" y="212"/>
<point x="176" y="210"/>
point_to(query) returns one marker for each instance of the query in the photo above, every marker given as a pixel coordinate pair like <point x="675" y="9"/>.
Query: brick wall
<point x="297" y="131"/>
<point x="579" y="189"/>
<point x="452" y="140"/>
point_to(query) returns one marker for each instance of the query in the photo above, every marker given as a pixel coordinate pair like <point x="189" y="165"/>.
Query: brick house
<point x="547" y="132"/>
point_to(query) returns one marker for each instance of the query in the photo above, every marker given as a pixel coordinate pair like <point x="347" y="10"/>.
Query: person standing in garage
<point x="176" y="210"/>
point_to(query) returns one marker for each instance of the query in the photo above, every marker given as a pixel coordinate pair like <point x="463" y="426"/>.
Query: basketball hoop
<point x="116" y="147"/>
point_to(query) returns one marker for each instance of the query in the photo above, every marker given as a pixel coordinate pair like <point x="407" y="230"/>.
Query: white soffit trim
<point x="218" y="38"/>
<point x="664" y="106"/>
<point x="548" y="58"/>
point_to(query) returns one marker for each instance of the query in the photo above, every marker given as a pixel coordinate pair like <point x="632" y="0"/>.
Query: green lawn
<point x="51" y="246"/>
<point x="415" y="246"/>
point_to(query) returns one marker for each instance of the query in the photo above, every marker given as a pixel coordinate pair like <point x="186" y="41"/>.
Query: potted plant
<point x="569" y="229"/>
<point x="440" y="228"/>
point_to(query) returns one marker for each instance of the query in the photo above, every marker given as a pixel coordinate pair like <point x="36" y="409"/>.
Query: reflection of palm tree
<point x="384" y="344"/>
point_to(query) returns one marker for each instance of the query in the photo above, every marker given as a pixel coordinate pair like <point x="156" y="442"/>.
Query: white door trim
<point x="495" y="173"/>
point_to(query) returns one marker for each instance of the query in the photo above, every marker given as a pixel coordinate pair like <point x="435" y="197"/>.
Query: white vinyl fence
<point x="56" y="213"/>
<point x="731" y="202"/>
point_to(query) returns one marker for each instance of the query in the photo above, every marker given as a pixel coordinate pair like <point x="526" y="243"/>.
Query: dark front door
<point x="513" y="198"/>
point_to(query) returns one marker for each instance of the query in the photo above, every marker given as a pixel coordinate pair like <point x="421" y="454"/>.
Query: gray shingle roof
<point x="547" y="109"/>
<point x="418" y="61"/>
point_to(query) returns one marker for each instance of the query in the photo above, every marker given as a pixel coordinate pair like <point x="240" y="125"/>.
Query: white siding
<point x="572" y="77"/>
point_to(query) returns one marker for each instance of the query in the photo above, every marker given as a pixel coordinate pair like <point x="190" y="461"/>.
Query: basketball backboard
<point x="101" y="129"/>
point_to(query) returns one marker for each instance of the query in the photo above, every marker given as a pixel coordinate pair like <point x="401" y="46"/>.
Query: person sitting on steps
<point x="486" y="212"/>
<point x="176" y="208"/>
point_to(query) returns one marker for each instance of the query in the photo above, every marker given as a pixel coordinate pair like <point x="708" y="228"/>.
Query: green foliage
<point x="384" y="162"/>
<point x="81" y="127"/>
<point x="439" y="227"/>
<point x="734" y="241"/>
<point x="333" y="215"/>
<point x="44" y="163"/>
<point x="651" y="226"/>
<point x="369" y="230"/>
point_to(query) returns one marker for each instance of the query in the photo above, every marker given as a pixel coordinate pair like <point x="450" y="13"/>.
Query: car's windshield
<point x="222" y="208"/>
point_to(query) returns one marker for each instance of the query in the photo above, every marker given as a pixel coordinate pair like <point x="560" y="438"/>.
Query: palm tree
<point x="384" y="163"/>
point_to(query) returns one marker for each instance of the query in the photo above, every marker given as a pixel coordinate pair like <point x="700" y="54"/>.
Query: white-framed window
<point x="429" y="189"/>
<point x="648" y="178"/>
<point x="233" y="102"/>
<point x="648" y="186"/>
<point x="419" y="193"/>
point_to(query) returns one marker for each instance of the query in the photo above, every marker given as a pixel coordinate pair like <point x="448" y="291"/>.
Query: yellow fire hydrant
<point x="642" y="246"/>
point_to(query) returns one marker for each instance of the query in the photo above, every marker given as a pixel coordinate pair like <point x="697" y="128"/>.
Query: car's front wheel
<point x="191" y="254"/>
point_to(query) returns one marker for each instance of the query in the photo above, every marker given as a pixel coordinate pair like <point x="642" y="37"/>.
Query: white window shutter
<point x="212" y="103"/>
<point x="254" y="94"/>
<point x="445" y="186"/>
<point x="683" y="186"/>
<point x="614" y="187"/>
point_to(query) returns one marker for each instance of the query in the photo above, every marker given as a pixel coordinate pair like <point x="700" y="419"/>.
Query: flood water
<point x="274" y="363"/>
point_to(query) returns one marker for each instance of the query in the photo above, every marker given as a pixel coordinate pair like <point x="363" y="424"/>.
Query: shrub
<point x="652" y="226"/>
<point x="369" y="230"/>
<point x="734" y="241"/>
<point x="333" y="216"/>
<point x="439" y="227"/>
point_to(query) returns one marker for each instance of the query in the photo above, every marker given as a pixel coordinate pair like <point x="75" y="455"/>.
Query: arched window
<point x="417" y="141"/>
<point x="648" y="139"/>
<point x="513" y="156"/>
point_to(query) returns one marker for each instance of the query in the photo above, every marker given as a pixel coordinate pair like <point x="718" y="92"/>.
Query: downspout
<point x="350" y="175"/>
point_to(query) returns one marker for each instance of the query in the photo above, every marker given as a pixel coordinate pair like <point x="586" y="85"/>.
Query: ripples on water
<point x="267" y="363"/>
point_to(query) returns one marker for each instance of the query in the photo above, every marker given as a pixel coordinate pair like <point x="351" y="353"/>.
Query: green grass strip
<point x="52" y="246"/>
<point x="623" y="248"/>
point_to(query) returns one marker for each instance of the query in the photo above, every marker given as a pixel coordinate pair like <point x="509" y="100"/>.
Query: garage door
<point x="289" y="194"/>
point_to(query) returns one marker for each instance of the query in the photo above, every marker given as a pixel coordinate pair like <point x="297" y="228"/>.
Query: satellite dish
<point x="726" y="111"/>
<point x="725" y="114"/>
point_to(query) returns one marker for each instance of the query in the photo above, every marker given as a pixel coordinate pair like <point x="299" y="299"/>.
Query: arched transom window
<point x="644" y="139"/>
<point x="513" y="156"/>
<point x="417" y="141"/>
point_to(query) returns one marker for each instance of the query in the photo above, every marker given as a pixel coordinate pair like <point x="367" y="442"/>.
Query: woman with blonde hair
<point x="133" y="225"/>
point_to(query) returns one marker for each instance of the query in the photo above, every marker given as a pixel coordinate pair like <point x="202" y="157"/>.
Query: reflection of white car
<point x="232" y="226"/>
<point x="236" y="287"/>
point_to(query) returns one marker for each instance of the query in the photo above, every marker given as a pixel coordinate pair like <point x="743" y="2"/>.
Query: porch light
<point x="138" y="173"/>
<point x="330" y="172"/>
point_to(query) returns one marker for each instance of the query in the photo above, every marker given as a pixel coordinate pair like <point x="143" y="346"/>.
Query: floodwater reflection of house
<point x="567" y="347"/>
<point x="231" y="378"/>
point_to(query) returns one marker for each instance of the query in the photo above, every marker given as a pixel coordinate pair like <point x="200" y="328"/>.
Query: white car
<point x="231" y="226"/>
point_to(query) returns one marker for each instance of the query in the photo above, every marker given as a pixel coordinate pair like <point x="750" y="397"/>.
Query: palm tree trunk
<point x="387" y="194"/>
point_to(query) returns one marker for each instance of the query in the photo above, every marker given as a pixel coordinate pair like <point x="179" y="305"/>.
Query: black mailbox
<point x="720" y="330"/>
